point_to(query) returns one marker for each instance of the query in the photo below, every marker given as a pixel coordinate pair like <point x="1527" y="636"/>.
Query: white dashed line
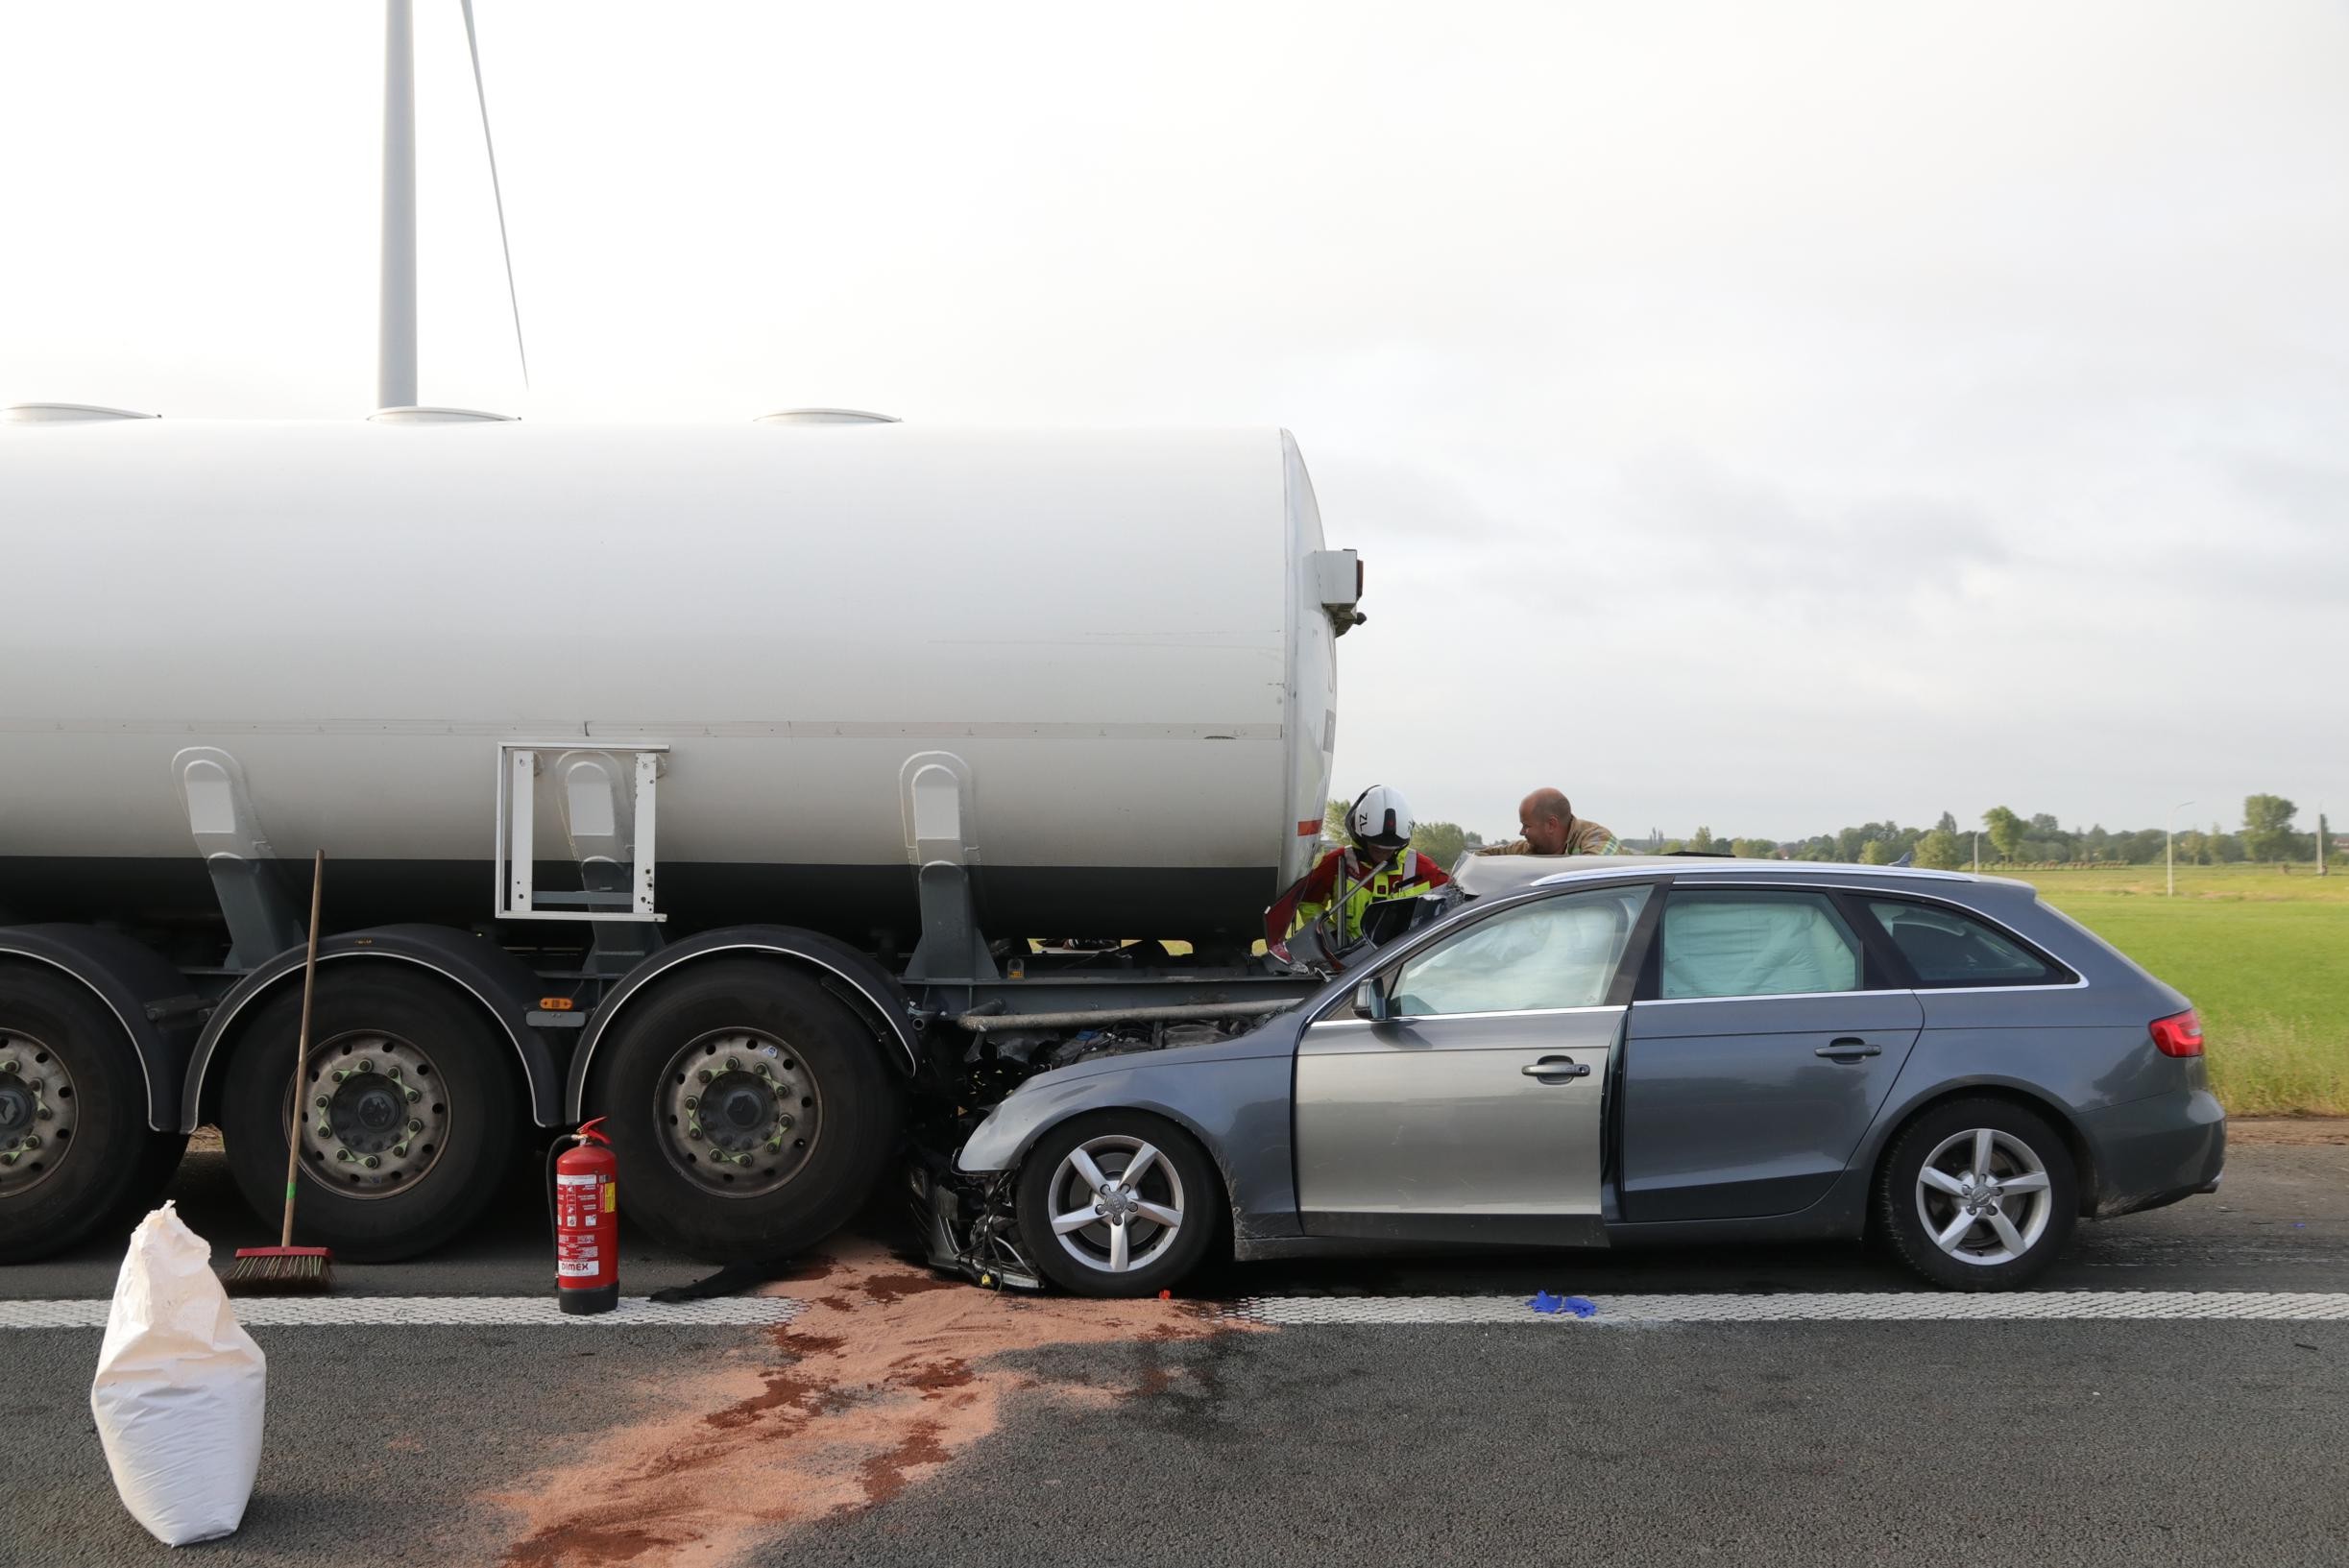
<point x="433" y="1312"/>
<point x="1846" y="1307"/>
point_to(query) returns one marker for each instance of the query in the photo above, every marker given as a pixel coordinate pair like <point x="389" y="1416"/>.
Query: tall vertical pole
<point x="396" y="334"/>
<point x="2320" y="839"/>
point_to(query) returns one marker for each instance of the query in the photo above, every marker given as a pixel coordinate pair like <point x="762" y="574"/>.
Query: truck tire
<point x="750" y="1110"/>
<point x="73" y="1114"/>
<point x="409" y="1112"/>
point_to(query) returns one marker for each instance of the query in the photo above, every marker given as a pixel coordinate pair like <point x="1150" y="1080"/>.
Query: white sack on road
<point x="180" y="1387"/>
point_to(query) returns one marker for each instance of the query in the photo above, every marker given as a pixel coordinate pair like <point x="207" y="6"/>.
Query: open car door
<point x="1462" y="1098"/>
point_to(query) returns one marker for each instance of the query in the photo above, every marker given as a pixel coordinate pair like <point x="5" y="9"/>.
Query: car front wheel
<point x="1978" y="1194"/>
<point x="1118" y="1204"/>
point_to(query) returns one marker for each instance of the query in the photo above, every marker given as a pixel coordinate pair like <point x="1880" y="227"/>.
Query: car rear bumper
<point x="2154" y="1151"/>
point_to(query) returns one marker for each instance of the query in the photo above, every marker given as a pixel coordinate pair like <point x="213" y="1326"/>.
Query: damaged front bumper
<point x="966" y="1226"/>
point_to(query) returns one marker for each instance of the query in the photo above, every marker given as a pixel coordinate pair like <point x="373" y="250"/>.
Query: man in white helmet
<point x="1375" y="864"/>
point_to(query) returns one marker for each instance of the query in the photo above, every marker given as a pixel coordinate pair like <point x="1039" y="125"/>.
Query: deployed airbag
<point x="1765" y="947"/>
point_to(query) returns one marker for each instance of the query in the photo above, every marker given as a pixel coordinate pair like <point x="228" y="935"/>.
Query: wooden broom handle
<point x="301" y="1048"/>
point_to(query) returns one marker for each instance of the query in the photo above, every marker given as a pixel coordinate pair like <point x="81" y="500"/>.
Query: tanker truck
<point x="709" y="781"/>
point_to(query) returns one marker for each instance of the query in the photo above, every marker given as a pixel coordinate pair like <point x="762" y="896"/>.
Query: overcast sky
<point x="1768" y="417"/>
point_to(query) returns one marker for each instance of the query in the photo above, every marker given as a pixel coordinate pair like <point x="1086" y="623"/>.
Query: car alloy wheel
<point x="1983" y="1197"/>
<point x="1117" y="1203"/>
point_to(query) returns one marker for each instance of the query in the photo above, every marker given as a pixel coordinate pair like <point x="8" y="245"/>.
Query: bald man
<point x="1550" y="827"/>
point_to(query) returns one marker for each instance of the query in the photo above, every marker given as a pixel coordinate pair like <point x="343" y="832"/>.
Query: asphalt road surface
<point x="898" y="1422"/>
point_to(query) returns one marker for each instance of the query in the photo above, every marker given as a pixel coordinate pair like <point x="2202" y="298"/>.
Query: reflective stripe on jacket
<point x="1339" y="873"/>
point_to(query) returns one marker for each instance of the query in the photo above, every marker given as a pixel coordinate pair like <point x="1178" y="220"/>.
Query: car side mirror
<point x="1370" y="1001"/>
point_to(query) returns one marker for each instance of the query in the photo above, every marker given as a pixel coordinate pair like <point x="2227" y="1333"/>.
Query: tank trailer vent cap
<point x="825" y="416"/>
<point x="66" y="414"/>
<point x="439" y="416"/>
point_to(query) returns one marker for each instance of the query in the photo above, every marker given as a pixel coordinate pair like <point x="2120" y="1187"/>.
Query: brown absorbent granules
<point x="882" y="1379"/>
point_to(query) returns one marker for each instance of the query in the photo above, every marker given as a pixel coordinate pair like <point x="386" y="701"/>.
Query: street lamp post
<point x="2170" y="863"/>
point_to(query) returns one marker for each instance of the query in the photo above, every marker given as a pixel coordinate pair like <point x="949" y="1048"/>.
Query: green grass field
<point x="2264" y="954"/>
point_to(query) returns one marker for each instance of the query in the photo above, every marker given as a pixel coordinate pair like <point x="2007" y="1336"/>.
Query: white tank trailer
<point x="709" y="780"/>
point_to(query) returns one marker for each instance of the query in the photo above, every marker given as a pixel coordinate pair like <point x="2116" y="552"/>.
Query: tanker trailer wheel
<point x="76" y="1155"/>
<point x="408" y="1112"/>
<point x="750" y="1110"/>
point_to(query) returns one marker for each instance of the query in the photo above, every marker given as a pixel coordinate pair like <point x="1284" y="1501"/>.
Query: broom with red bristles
<point x="285" y="1266"/>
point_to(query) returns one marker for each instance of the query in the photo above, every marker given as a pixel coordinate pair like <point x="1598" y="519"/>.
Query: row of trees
<point x="2005" y="837"/>
<point x="2009" y="836"/>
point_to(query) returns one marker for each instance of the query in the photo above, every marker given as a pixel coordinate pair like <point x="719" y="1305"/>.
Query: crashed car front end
<point x="1232" y="1094"/>
<point x="966" y="1226"/>
<point x="1221" y="1069"/>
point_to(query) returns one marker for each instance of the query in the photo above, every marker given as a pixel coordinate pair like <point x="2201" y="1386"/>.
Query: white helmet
<point x="1379" y="819"/>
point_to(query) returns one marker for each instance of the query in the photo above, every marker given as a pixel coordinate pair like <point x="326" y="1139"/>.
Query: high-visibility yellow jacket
<point x="1342" y="873"/>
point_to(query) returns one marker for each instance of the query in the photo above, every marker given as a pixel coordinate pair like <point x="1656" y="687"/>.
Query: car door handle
<point x="1849" y="1049"/>
<point x="1556" y="1068"/>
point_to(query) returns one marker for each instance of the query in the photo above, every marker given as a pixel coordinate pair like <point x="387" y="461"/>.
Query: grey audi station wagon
<point x="1642" y="1050"/>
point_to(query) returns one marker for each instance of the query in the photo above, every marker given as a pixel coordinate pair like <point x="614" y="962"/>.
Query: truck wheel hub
<point x="35" y="1113"/>
<point x="368" y="1114"/>
<point x="738" y="1111"/>
<point x="744" y="1111"/>
<point x="375" y="1114"/>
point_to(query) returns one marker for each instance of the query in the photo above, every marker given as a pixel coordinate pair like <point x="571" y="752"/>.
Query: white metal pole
<point x="2170" y="864"/>
<point x="396" y="334"/>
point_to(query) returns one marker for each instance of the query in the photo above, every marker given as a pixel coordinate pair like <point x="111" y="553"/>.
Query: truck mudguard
<point x="158" y="1010"/>
<point x="493" y="978"/>
<point x="887" y="1002"/>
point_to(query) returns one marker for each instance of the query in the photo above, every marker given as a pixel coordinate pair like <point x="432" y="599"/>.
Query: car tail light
<point x="2180" y="1034"/>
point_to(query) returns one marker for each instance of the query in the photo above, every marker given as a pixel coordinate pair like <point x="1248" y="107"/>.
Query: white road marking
<point x="1796" y="1307"/>
<point x="1297" y="1311"/>
<point x="433" y="1312"/>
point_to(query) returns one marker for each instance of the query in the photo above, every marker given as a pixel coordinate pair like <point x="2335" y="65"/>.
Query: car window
<point x="1732" y="944"/>
<point x="1561" y="952"/>
<point x="1945" y="948"/>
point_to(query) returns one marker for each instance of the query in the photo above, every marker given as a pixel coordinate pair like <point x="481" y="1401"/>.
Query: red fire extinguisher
<point x="586" y="1223"/>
